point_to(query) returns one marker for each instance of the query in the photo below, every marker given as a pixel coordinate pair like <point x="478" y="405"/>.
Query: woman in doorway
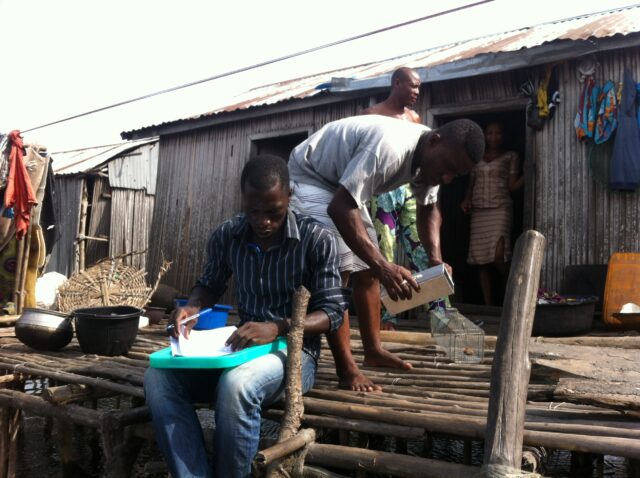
<point x="488" y="200"/>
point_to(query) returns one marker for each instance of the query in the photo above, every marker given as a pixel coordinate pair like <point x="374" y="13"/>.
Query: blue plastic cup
<point x="217" y="317"/>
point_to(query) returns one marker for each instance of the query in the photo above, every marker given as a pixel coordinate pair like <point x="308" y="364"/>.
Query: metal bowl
<point x="44" y="329"/>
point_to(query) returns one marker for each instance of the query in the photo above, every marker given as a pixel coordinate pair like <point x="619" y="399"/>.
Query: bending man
<point x="338" y="169"/>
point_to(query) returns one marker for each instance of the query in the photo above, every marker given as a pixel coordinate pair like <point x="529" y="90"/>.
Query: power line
<point x="261" y="64"/>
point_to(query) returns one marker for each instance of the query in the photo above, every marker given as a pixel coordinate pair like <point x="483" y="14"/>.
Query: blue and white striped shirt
<point x="265" y="280"/>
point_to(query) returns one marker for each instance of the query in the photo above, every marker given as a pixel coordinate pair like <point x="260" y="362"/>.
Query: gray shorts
<point x="313" y="201"/>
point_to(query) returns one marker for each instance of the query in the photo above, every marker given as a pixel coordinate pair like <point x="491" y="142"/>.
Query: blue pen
<point x="195" y="316"/>
<point x="170" y="327"/>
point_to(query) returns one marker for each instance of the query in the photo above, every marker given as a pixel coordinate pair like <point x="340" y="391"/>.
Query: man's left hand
<point x="253" y="333"/>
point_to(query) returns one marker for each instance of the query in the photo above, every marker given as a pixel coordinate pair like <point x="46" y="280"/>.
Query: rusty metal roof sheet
<point x="88" y="159"/>
<point x="439" y="63"/>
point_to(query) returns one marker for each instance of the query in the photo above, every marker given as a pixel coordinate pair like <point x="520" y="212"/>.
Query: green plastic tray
<point x="164" y="359"/>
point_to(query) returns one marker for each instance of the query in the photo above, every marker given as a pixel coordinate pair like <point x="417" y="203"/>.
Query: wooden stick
<point x="286" y="447"/>
<point x="382" y="463"/>
<point x="72" y="393"/>
<point x="36" y="405"/>
<point x="511" y="366"/>
<point x="351" y="424"/>
<point x="71" y="378"/>
<point x="294" y="407"/>
<point x="81" y="243"/>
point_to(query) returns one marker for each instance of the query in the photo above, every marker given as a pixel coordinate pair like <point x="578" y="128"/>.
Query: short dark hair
<point x="465" y="133"/>
<point x="401" y="73"/>
<point x="264" y="172"/>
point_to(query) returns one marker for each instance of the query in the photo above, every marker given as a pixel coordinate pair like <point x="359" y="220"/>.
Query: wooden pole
<point x="81" y="241"/>
<point x="294" y="407"/>
<point x="511" y="366"/>
<point x="383" y="463"/>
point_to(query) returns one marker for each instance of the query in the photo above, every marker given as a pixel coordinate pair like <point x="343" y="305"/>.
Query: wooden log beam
<point x="355" y="425"/>
<point x="383" y="463"/>
<point x="73" y="393"/>
<point x="511" y="367"/>
<point x="38" y="406"/>
<point x="72" y="378"/>
<point x="286" y="447"/>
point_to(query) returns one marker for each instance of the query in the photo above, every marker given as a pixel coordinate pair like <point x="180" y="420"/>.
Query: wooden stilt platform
<point x="435" y="398"/>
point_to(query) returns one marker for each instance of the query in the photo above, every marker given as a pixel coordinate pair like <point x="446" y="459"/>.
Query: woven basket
<point x="110" y="282"/>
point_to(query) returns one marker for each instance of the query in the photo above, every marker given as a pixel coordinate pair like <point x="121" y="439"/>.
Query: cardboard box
<point x="434" y="282"/>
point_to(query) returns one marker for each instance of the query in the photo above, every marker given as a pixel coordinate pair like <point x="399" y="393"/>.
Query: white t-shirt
<point x="368" y="155"/>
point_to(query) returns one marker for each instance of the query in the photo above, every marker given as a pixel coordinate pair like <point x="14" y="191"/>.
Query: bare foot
<point x="358" y="382"/>
<point x="384" y="358"/>
<point x="387" y="326"/>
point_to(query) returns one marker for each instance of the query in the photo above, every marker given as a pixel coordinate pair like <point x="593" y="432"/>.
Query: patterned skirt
<point x="488" y="225"/>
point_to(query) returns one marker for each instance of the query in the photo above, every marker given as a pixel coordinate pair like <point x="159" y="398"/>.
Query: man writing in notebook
<point x="270" y="251"/>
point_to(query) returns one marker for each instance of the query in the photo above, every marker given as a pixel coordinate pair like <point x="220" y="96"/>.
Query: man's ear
<point x="434" y="138"/>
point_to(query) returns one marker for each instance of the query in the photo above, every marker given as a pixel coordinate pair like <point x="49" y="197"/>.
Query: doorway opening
<point x="455" y="232"/>
<point x="277" y="144"/>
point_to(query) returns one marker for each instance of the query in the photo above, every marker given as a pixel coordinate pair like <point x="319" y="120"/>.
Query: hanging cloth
<point x="19" y="194"/>
<point x="548" y="95"/>
<point x="585" y="118"/>
<point x="607" y="119"/>
<point x="625" y="163"/>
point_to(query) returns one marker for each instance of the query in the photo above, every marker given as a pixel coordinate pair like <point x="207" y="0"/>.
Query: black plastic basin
<point x="565" y="319"/>
<point x="107" y="330"/>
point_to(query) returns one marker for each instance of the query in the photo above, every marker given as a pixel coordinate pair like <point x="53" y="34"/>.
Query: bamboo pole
<point x="511" y="366"/>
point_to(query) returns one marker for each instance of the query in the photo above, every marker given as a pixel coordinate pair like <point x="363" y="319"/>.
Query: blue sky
<point x="70" y="56"/>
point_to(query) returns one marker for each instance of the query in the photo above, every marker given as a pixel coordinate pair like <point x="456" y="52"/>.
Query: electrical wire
<point x="261" y="64"/>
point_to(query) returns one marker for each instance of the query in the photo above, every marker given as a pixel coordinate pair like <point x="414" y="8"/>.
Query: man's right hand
<point x="177" y="319"/>
<point x="397" y="280"/>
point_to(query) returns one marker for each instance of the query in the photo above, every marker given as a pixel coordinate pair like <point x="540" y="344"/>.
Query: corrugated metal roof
<point x="455" y="56"/>
<point x="87" y="159"/>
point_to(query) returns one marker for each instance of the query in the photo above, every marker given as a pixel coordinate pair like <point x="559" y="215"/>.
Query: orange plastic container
<point x="622" y="286"/>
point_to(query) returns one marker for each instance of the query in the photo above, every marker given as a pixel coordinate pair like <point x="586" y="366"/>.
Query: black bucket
<point x="107" y="330"/>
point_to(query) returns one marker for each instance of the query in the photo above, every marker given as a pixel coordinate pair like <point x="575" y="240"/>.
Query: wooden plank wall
<point x="99" y="221"/>
<point x="198" y="175"/>
<point x="63" y="258"/>
<point x="583" y="221"/>
<point x="131" y="216"/>
<point x="199" y="185"/>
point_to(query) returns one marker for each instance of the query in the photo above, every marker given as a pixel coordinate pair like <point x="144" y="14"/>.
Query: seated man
<point x="270" y="251"/>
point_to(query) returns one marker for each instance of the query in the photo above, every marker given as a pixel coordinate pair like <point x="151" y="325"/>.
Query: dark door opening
<point x="281" y="145"/>
<point x="456" y="225"/>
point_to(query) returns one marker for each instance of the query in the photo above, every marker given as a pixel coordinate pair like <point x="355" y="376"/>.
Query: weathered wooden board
<point x="598" y="363"/>
<point x="621" y="395"/>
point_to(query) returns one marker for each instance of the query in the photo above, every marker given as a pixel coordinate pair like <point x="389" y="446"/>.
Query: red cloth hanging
<point x="19" y="193"/>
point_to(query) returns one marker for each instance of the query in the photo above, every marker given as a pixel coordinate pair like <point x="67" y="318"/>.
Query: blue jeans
<point x="238" y="394"/>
